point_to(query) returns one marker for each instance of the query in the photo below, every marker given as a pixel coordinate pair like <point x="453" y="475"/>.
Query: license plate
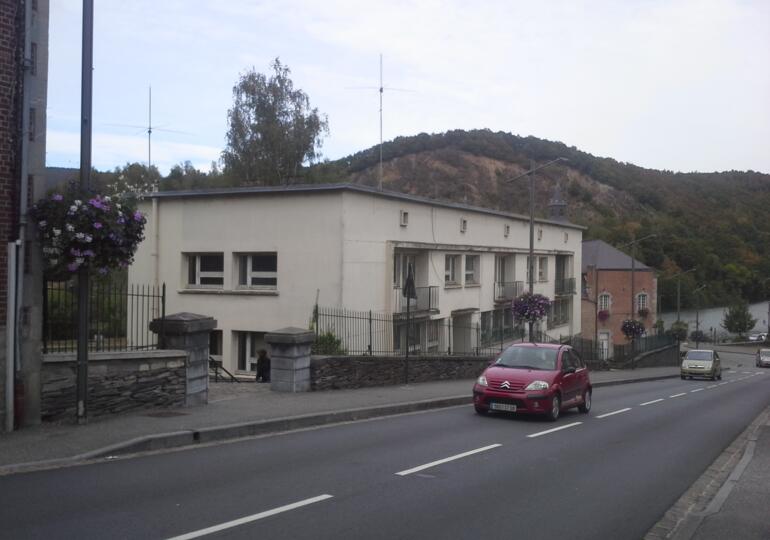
<point x="502" y="407"/>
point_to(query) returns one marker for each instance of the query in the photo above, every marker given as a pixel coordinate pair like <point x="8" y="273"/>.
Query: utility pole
<point x="85" y="183"/>
<point x="697" y="316"/>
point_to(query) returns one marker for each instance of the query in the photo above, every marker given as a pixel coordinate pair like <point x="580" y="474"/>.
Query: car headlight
<point x="537" y="385"/>
<point x="482" y="381"/>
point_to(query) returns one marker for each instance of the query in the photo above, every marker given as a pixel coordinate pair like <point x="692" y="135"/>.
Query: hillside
<point x="717" y="222"/>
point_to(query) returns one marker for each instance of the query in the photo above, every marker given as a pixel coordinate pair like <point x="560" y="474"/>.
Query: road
<point x="441" y="474"/>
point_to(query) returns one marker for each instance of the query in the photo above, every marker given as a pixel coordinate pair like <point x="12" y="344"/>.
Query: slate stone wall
<point x="117" y="382"/>
<point x="338" y="372"/>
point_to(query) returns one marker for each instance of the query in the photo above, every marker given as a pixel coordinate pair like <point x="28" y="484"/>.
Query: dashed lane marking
<point x="546" y="432"/>
<point x="678" y="395"/>
<point x="651" y="402"/>
<point x="446" y="460"/>
<point x="614" y="412"/>
<point x="697" y="390"/>
<point x="249" y="519"/>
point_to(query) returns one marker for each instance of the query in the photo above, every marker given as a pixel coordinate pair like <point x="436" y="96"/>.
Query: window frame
<point x="194" y="259"/>
<point x="599" y="300"/>
<point x="451" y="270"/>
<point x="542" y="268"/>
<point x="475" y="271"/>
<point x="249" y="273"/>
<point x="639" y="305"/>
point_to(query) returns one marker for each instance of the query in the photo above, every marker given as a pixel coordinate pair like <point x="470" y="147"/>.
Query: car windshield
<point x="764" y="353"/>
<point x="699" y="355"/>
<point x="528" y="357"/>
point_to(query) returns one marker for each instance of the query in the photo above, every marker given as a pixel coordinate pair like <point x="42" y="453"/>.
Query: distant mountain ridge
<point x="718" y="222"/>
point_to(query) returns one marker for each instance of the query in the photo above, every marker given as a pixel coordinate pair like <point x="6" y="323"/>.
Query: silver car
<point x="763" y="358"/>
<point x="701" y="363"/>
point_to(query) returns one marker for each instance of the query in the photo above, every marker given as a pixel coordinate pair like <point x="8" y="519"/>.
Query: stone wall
<point x="667" y="356"/>
<point x="117" y="382"/>
<point x="337" y="372"/>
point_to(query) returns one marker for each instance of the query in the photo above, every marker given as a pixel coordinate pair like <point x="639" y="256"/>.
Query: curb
<point x="178" y="439"/>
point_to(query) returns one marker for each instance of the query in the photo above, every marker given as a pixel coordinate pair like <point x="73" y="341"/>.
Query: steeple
<point x="557" y="206"/>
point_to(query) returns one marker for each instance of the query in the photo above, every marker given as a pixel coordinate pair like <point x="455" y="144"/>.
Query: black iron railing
<point x="564" y="286"/>
<point x="508" y="290"/>
<point x="119" y="316"/>
<point x="427" y="299"/>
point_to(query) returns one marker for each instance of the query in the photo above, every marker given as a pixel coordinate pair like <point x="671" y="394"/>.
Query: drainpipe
<point x="10" y="344"/>
<point x="156" y="240"/>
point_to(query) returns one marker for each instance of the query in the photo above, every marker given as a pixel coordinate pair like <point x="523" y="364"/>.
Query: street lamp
<point x="679" y="275"/>
<point x="633" y="266"/>
<point x="531" y="262"/>
<point x="697" y="315"/>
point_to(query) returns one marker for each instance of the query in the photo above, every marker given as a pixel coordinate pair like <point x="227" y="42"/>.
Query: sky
<point x="676" y="85"/>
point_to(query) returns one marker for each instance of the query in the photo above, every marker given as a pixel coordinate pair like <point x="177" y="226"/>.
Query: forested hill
<point x="718" y="223"/>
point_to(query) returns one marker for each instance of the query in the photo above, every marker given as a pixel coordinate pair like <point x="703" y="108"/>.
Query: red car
<point x="540" y="378"/>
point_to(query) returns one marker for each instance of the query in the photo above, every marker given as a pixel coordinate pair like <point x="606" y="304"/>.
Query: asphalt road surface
<point x="440" y="474"/>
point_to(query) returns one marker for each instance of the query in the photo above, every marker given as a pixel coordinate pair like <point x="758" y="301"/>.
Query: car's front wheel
<point x="481" y="410"/>
<point x="586" y="405"/>
<point x="553" y="414"/>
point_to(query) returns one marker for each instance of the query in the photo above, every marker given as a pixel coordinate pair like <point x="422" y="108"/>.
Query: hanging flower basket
<point x="603" y="315"/>
<point x="643" y="312"/>
<point x="632" y="328"/>
<point x="530" y="307"/>
<point x="80" y="229"/>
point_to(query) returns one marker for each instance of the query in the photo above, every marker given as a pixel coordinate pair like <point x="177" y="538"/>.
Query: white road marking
<point x="697" y="390"/>
<point x="614" y="412"/>
<point x="249" y="519"/>
<point x="546" y="432"/>
<point x="446" y="460"/>
<point x="678" y="395"/>
<point x="720" y="384"/>
<point x="711" y="386"/>
<point x="651" y="402"/>
<point x="745" y="372"/>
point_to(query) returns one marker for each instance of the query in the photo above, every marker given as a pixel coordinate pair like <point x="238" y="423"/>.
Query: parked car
<point x="759" y="336"/>
<point x="534" y="378"/>
<point x="763" y="358"/>
<point x="701" y="363"/>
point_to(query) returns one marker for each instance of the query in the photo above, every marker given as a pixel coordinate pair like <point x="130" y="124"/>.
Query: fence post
<point x="162" y="335"/>
<point x="502" y="328"/>
<point x="370" y="332"/>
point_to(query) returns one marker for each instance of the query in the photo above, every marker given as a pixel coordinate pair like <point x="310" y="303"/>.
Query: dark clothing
<point x="263" y="368"/>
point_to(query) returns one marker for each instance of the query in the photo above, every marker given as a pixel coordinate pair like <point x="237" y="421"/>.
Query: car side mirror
<point x="570" y="369"/>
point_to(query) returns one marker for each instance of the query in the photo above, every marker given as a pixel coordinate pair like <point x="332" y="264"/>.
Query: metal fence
<point x="119" y="316"/>
<point x="344" y="331"/>
<point x="622" y="354"/>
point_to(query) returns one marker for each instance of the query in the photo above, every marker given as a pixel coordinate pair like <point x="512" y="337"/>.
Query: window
<point x="506" y="230"/>
<point x="258" y="270"/>
<point x="539" y="234"/>
<point x="451" y="269"/>
<point x="32" y="124"/>
<point x="641" y="301"/>
<point x="471" y="269"/>
<point x="561" y="311"/>
<point x="433" y="333"/>
<point x="215" y="344"/>
<point x="542" y="272"/>
<point x="604" y="302"/>
<point x="404" y="218"/>
<point x="205" y="270"/>
<point x="463" y="225"/>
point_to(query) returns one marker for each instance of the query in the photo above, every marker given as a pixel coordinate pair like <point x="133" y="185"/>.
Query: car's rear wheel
<point x="586" y="405"/>
<point x="683" y="377"/>
<point x="553" y="414"/>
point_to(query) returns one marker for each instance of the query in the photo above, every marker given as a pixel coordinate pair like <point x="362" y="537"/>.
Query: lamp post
<point x="531" y="261"/>
<point x="679" y="275"/>
<point x="633" y="267"/>
<point x="697" y="315"/>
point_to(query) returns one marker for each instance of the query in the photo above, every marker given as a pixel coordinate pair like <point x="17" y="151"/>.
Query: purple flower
<point x="103" y="270"/>
<point x="121" y="220"/>
<point x="73" y="266"/>
<point x="57" y="197"/>
<point x="96" y="202"/>
<point x="97" y="225"/>
<point x="138" y="216"/>
<point x="75" y="252"/>
<point x="88" y="253"/>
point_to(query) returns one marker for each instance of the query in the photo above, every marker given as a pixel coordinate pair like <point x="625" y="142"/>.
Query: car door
<point x="570" y="382"/>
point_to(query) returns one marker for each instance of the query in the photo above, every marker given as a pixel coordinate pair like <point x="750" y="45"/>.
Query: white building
<point x="258" y="259"/>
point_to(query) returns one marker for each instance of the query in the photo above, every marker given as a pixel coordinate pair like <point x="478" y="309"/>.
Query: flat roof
<point x="355" y="188"/>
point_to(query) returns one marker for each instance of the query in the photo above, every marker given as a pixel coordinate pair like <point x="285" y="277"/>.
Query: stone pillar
<point x="290" y="359"/>
<point x="189" y="332"/>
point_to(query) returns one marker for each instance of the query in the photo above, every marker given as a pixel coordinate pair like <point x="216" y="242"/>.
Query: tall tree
<point x="272" y="129"/>
<point x="738" y="319"/>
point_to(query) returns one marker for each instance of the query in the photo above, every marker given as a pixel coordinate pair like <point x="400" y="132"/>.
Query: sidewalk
<point x="241" y="410"/>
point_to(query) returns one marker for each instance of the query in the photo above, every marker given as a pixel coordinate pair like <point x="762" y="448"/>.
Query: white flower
<point x="88" y="238"/>
<point x="73" y="208"/>
<point x="56" y="232"/>
<point x="106" y="198"/>
<point x="80" y="236"/>
<point x="53" y="262"/>
<point x="69" y="227"/>
<point x="78" y="202"/>
<point x="79" y="260"/>
<point x="42" y="224"/>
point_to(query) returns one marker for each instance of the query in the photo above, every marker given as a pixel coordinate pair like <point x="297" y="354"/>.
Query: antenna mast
<point x="149" y="134"/>
<point x="381" y="92"/>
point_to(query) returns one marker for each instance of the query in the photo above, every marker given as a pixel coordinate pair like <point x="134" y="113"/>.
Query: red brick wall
<point x="10" y="127"/>
<point x="618" y="284"/>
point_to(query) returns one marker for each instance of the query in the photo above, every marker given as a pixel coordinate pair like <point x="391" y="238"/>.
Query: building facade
<point x="23" y="89"/>
<point x="259" y="259"/>
<point x="611" y="279"/>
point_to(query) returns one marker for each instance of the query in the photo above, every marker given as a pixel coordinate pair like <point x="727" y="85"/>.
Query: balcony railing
<point x="508" y="290"/>
<point x="427" y="300"/>
<point x="565" y="286"/>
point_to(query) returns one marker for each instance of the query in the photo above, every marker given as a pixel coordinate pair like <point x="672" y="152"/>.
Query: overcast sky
<point x="679" y="85"/>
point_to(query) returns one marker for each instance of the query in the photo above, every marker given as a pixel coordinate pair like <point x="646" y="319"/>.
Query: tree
<point x="272" y="129"/>
<point x="738" y="319"/>
<point x="678" y="330"/>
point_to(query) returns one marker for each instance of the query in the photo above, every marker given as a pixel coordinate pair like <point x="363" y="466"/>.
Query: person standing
<point x="263" y="366"/>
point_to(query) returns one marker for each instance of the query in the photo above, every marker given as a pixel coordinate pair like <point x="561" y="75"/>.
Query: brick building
<point x="606" y="294"/>
<point x="23" y="89"/>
